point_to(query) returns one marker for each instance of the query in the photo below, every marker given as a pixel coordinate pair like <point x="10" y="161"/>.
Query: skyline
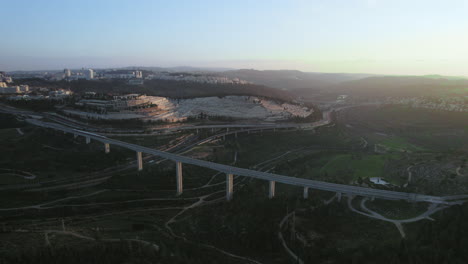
<point x="358" y="36"/>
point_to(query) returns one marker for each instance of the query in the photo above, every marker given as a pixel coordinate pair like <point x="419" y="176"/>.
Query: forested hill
<point x="401" y="86"/>
<point x="173" y="89"/>
<point x="392" y="86"/>
<point x="292" y="79"/>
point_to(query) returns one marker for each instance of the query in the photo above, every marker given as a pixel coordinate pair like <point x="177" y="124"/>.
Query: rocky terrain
<point x="243" y="107"/>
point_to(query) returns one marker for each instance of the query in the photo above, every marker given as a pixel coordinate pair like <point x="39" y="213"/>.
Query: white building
<point x="138" y="74"/>
<point x="119" y="75"/>
<point x="89" y="74"/>
<point x="23" y="88"/>
<point x="15" y="89"/>
<point x="8" y="90"/>
<point x="118" y="103"/>
<point x="60" y="93"/>
<point x="67" y="73"/>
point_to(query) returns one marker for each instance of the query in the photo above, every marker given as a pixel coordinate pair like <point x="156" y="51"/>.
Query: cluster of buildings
<point x="68" y="75"/>
<point x="15" y="89"/>
<point x="123" y="74"/>
<point x="132" y="77"/>
<point x="115" y="104"/>
<point x="5" y="78"/>
<point x="7" y="88"/>
<point x="198" y="78"/>
<point x="43" y="94"/>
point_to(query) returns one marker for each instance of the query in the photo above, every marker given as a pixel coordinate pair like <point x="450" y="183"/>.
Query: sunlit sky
<point x="365" y="36"/>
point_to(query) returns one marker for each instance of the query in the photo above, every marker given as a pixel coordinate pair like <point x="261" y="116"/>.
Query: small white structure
<point x="378" y="180"/>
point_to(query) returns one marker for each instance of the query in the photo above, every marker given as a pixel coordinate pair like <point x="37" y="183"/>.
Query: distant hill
<point x="292" y="79"/>
<point x="436" y="76"/>
<point x="403" y="86"/>
<point x="178" y="69"/>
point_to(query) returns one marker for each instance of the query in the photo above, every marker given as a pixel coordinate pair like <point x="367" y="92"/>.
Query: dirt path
<point x="433" y="208"/>
<point x="283" y="242"/>
<point x="410" y="174"/>
<point x="19" y="131"/>
<point x="201" y="201"/>
<point x="365" y="143"/>
<point x="41" y="206"/>
<point x="25" y="175"/>
<point x="77" y="235"/>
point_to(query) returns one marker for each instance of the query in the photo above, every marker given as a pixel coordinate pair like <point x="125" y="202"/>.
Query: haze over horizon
<point x="357" y="36"/>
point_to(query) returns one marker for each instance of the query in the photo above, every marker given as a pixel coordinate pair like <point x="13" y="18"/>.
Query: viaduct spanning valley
<point x="230" y="171"/>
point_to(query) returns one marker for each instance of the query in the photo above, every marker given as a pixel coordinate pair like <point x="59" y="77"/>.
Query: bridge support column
<point x="306" y="192"/>
<point x="75" y="135"/>
<point x="139" y="161"/>
<point x="338" y="196"/>
<point x="107" y="147"/>
<point x="229" y="186"/>
<point x="197" y="131"/>
<point x="227" y="129"/>
<point x="271" y="188"/>
<point x="88" y="140"/>
<point x="212" y="130"/>
<point x="179" y="177"/>
<point x="274" y="129"/>
<point x="224" y="137"/>
<point x="248" y="131"/>
<point x="235" y="134"/>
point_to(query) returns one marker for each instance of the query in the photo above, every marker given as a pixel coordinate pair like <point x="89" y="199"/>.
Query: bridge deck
<point x="313" y="184"/>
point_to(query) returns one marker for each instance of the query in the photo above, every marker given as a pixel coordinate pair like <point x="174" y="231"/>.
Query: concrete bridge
<point x="272" y="178"/>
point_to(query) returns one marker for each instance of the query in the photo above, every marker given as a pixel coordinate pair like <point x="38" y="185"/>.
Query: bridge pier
<point x="107" y="147"/>
<point x="229" y="186"/>
<point x="306" y="192"/>
<point x="338" y="196"/>
<point x="227" y="129"/>
<point x="88" y="140"/>
<point x="139" y="161"/>
<point x="75" y="135"/>
<point x="235" y="135"/>
<point x="271" y="188"/>
<point x="179" y="177"/>
<point x="197" y="131"/>
<point x="224" y="137"/>
<point x="212" y="130"/>
<point x="248" y="132"/>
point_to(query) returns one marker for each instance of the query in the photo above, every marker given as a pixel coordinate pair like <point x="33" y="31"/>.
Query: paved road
<point x="325" y="186"/>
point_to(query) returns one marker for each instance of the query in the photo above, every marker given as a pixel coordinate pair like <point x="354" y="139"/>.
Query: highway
<point x="305" y="183"/>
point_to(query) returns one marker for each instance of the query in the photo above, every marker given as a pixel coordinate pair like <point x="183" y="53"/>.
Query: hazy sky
<point x="371" y="36"/>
